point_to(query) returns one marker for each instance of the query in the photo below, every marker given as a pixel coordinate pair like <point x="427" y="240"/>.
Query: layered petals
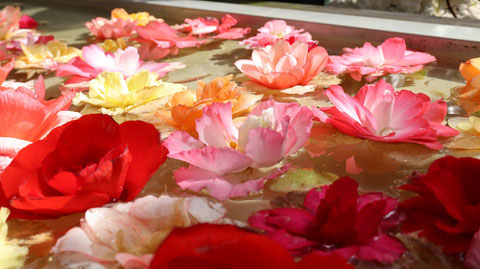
<point x="469" y="95"/>
<point x="114" y="28"/>
<point x="45" y="56"/>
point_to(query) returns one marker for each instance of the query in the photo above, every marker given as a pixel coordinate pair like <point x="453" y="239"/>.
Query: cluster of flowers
<point x="55" y="162"/>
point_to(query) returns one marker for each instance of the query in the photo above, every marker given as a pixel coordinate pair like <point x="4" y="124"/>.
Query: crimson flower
<point x="226" y="246"/>
<point x="336" y="220"/>
<point x="447" y="208"/>
<point x="27" y="22"/>
<point x="83" y="164"/>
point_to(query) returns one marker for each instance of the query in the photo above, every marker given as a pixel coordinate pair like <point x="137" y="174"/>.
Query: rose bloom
<point x="11" y="21"/>
<point x="185" y="107"/>
<point x="45" y="56"/>
<point x="226" y="246"/>
<point x="127" y="234"/>
<point x="85" y="163"/>
<point x="380" y="113"/>
<point x="116" y="27"/>
<point x="446" y="209"/>
<point x="469" y="96"/>
<point x="283" y="65"/>
<point x="390" y="57"/>
<point x="11" y="255"/>
<point x="95" y="61"/>
<point x="336" y="220"/>
<point x="124" y="99"/>
<point x="269" y="133"/>
<point x="140" y="18"/>
<point x="274" y="30"/>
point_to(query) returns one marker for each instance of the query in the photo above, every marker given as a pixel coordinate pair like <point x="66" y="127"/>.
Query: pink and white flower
<point x="270" y="132"/>
<point x="104" y="28"/>
<point x="158" y="40"/>
<point x="210" y="25"/>
<point x="95" y="61"/>
<point x="390" y="57"/>
<point x="380" y="113"/>
<point x="128" y="234"/>
<point x="274" y="30"/>
<point x="283" y="65"/>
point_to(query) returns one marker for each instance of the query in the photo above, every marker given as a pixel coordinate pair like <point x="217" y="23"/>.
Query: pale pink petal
<point x="130" y="261"/>
<point x="215" y="127"/>
<point x="393" y="49"/>
<point x="97" y="58"/>
<point x="126" y="61"/>
<point x="265" y="147"/>
<point x="180" y="141"/>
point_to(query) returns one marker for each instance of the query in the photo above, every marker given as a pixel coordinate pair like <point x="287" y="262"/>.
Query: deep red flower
<point x="27" y="22"/>
<point x="447" y="208"/>
<point x="213" y="246"/>
<point x="336" y="220"/>
<point x="83" y="164"/>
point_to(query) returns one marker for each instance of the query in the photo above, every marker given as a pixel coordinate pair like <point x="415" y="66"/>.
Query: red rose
<point x="447" y="208"/>
<point x="210" y="246"/>
<point x="83" y="164"/>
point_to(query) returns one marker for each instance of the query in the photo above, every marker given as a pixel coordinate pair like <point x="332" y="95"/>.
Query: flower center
<point x="385" y="131"/>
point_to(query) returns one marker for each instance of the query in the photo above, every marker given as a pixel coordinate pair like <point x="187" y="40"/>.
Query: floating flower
<point x="11" y="255"/>
<point x="86" y="163"/>
<point x="379" y="113"/>
<point x="111" y="45"/>
<point x="469" y="129"/>
<point x="283" y="65"/>
<point x="140" y="18"/>
<point x="336" y="220"/>
<point x="447" y="208"/>
<point x="27" y="117"/>
<point x="185" y="107"/>
<point x="469" y="96"/>
<point x="115" y="28"/>
<point x="226" y="246"/>
<point x="390" y="57"/>
<point x="275" y="30"/>
<point x="210" y="25"/>
<point x="127" y="234"/>
<point x="95" y="61"/>
<point x="45" y="56"/>
<point x="124" y="99"/>
<point x="158" y="39"/>
<point x="27" y="22"/>
<point x="270" y="132"/>
<point x="10" y="19"/>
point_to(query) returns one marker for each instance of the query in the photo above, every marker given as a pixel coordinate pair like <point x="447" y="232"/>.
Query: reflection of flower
<point x="336" y="220"/>
<point x="46" y="56"/>
<point x="110" y="93"/>
<point x="274" y="30"/>
<point x="94" y="61"/>
<point x="284" y="65"/>
<point x="186" y="106"/>
<point x="270" y="132"/>
<point x="447" y="208"/>
<point x="128" y="233"/>
<point x="226" y="246"/>
<point x="85" y="163"/>
<point x="210" y="25"/>
<point x="379" y="113"/>
<point x="469" y="129"/>
<point x="391" y="56"/>
<point x="140" y="18"/>
<point x="469" y="96"/>
<point x="11" y="255"/>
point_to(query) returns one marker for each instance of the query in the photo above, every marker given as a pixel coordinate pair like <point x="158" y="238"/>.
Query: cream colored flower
<point x="11" y="255"/>
<point x="111" y="45"/>
<point x="46" y="56"/>
<point x="125" y="99"/>
<point x="469" y="129"/>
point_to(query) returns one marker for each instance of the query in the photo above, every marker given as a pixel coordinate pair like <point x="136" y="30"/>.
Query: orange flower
<point x="186" y="106"/>
<point x="469" y="96"/>
<point x="140" y="18"/>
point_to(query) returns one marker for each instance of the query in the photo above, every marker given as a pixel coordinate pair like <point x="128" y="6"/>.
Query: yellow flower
<point x="141" y="18"/>
<point x="125" y="99"/>
<point x="469" y="129"/>
<point x="110" y="45"/>
<point x="46" y="56"/>
<point x="11" y="255"/>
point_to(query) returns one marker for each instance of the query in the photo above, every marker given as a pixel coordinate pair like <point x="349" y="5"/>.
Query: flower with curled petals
<point x="12" y="24"/>
<point x="337" y="220"/>
<point x="283" y="65"/>
<point x="110" y="29"/>
<point x="270" y="132"/>
<point x="82" y="164"/>
<point x="372" y="62"/>
<point x="140" y="18"/>
<point x="95" y="61"/>
<point x="124" y="99"/>
<point x="380" y="113"/>
<point x="274" y="30"/>
<point x="127" y="234"/>
<point x="210" y="25"/>
<point x="469" y="95"/>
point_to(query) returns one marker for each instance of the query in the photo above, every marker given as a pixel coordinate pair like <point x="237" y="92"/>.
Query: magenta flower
<point x="275" y="30"/>
<point x="283" y="65"/>
<point x="103" y="28"/>
<point x="336" y="220"/>
<point x="270" y="132"/>
<point x="390" y="57"/>
<point x="96" y="61"/>
<point x="380" y="113"/>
